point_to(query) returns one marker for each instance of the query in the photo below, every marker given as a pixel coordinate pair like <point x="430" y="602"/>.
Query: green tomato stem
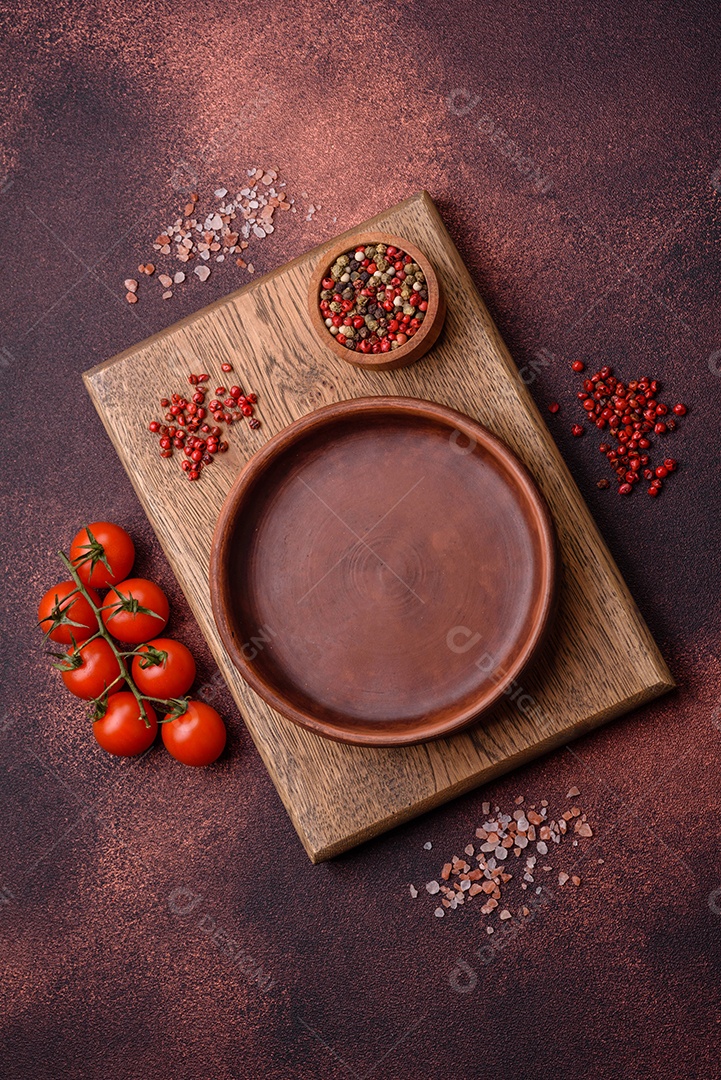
<point x="104" y="633"/>
<point x="87" y="641"/>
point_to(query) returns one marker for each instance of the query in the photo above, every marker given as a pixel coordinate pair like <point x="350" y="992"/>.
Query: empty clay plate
<point x="382" y="570"/>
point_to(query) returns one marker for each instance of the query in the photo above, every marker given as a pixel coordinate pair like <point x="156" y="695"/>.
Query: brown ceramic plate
<point x="382" y="570"/>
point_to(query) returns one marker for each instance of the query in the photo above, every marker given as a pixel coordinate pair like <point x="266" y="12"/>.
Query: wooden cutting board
<point x="338" y="795"/>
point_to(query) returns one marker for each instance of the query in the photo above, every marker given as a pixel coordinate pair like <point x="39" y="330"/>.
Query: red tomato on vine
<point x="135" y="610"/>
<point x="197" y="737"/>
<point x="122" y="730"/>
<point x="103" y="554"/>
<point x="166" y="669"/>
<point x="91" y="670"/>
<point x="63" y="619"/>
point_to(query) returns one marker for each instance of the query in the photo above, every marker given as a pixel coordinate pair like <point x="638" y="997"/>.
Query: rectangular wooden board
<point x="601" y="660"/>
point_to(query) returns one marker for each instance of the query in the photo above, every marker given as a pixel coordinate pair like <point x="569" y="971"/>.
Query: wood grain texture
<point x="339" y="795"/>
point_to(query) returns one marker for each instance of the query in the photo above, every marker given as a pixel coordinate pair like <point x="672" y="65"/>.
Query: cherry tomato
<point x="133" y="621"/>
<point x="171" y="678"/>
<point x="77" y="609"/>
<point x="98" y="670"/>
<point x="197" y="737"/>
<point x="98" y="544"/>
<point x="122" y="730"/>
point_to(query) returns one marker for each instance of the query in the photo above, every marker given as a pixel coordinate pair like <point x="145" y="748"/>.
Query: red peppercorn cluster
<point x="631" y="413"/>
<point x="374" y="298"/>
<point x="189" y="429"/>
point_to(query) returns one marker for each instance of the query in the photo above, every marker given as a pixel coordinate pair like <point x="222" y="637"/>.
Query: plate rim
<point x="295" y="432"/>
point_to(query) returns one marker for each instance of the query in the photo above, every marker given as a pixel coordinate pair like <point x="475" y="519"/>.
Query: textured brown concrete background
<point x="582" y="186"/>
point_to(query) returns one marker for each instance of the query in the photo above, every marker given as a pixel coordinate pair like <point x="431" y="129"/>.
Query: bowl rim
<point x="278" y="445"/>
<point x="415" y="347"/>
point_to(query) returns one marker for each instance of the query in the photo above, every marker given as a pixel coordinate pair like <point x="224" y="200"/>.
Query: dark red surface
<point x="587" y="206"/>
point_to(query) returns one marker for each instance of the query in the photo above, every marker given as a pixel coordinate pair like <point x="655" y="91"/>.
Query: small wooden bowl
<point x="415" y="347"/>
<point x="382" y="570"/>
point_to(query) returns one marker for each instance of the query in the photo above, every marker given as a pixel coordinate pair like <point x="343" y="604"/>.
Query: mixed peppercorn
<point x="196" y="430"/>
<point x="374" y="298"/>
<point x="632" y="413"/>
